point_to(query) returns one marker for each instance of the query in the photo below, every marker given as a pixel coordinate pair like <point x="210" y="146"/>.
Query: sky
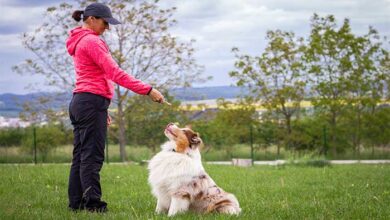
<point x="216" y="25"/>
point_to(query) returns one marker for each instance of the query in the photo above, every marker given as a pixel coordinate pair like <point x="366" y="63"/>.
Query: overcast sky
<point x="216" y="25"/>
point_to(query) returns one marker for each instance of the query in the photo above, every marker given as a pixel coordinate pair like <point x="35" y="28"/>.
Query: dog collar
<point x="173" y="150"/>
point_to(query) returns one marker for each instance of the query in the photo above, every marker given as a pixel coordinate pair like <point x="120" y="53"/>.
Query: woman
<point x="95" y="72"/>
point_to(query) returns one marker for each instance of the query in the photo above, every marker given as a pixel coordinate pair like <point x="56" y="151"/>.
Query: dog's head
<point x="185" y="138"/>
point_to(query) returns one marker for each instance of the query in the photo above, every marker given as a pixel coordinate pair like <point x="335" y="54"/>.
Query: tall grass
<point x="63" y="154"/>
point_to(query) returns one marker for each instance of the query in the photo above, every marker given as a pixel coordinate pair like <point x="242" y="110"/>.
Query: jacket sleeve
<point x="100" y="54"/>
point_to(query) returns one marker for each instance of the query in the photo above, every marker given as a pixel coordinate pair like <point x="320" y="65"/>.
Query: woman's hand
<point x="108" y="120"/>
<point x="156" y="96"/>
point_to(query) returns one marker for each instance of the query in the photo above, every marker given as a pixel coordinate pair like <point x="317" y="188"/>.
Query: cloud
<point x="216" y="25"/>
<point x="20" y="19"/>
<point x="11" y="82"/>
<point x="10" y="43"/>
<point x="17" y="17"/>
<point x="29" y="3"/>
<point x="11" y="29"/>
<point x="219" y="25"/>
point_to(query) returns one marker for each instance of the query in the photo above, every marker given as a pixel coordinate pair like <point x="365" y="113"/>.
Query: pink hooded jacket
<point x="95" y="68"/>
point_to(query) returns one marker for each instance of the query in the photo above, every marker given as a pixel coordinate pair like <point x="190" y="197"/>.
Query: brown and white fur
<point x="179" y="181"/>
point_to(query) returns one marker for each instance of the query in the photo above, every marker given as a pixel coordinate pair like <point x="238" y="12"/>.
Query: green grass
<point x="63" y="154"/>
<point x="264" y="192"/>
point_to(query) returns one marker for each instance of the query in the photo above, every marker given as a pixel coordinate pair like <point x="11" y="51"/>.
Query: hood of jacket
<point x="75" y="35"/>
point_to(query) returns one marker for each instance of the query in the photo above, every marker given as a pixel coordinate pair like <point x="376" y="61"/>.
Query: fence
<point x="61" y="152"/>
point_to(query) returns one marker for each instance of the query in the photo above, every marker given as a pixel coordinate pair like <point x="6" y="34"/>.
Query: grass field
<point x="264" y="192"/>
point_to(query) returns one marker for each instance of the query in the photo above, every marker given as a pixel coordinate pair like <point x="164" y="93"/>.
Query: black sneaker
<point x="76" y="209"/>
<point x="98" y="206"/>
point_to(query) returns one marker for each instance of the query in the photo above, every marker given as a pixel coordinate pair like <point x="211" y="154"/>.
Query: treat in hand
<point x="166" y="102"/>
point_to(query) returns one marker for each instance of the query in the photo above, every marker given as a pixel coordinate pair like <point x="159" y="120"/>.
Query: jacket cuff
<point x="149" y="91"/>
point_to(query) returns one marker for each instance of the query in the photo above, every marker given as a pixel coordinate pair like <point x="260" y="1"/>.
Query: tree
<point x="276" y="78"/>
<point x="11" y="137"/>
<point x="326" y="50"/>
<point x="148" y="129"/>
<point x="142" y="46"/>
<point x="367" y="80"/>
<point x="40" y="108"/>
<point x="265" y="134"/>
<point x="48" y="137"/>
<point x="375" y="129"/>
<point x="230" y="125"/>
<point x="345" y="70"/>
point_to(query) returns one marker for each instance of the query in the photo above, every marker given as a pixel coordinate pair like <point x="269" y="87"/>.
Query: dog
<point x="179" y="180"/>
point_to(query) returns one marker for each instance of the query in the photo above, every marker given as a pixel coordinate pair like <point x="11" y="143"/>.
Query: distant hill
<point x="201" y="93"/>
<point x="11" y="104"/>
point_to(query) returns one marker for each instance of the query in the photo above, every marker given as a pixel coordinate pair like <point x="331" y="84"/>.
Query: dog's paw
<point x="160" y="211"/>
<point x="230" y="210"/>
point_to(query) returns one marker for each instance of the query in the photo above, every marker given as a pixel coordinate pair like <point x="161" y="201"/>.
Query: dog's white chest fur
<point x="179" y="182"/>
<point x="169" y="169"/>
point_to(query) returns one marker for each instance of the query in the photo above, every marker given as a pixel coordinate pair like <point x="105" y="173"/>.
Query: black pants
<point x="88" y="113"/>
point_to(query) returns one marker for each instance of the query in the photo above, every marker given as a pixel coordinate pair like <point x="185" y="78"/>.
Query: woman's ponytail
<point x="77" y="15"/>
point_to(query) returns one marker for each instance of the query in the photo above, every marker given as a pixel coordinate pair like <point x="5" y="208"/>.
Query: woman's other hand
<point x="108" y="120"/>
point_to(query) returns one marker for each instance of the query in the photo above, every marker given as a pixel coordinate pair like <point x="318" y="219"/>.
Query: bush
<point x="11" y="137"/>
<point x="308" y="159"/>
<point x="47" y="138"/>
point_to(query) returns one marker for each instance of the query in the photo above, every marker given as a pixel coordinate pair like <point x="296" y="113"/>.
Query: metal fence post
<point x="35" y="144"/>
<point x="325" y="141"/>
<point x="251" y="132"/>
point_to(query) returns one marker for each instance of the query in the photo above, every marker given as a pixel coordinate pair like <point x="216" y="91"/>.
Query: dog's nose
<point x="170" y="124"/>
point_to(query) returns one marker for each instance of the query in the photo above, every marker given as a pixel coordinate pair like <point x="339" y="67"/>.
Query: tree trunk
<point x="121" y="107"/>
<point x="358" y="132"/>
<point x="288" y="123"/>
<point x="122" y="131"/>
<point x="332" y="135"/>
<point x="289" y="130"/>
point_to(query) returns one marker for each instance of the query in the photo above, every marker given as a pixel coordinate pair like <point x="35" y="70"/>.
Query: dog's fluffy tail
<point x="227" y="206"/>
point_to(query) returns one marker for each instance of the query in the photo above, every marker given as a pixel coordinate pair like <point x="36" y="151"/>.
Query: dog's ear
<point x="195" y="140"/>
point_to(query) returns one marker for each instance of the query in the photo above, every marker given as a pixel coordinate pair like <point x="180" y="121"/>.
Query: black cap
<point x="102" y="11"/>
